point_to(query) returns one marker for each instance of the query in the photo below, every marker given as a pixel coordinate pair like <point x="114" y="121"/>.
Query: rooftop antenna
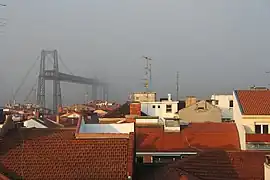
<point x="177" y="86"/>
<point x="148" y="72"/>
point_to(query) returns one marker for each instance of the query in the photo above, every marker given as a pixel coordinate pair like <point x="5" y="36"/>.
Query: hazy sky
<point x="216" y="45"/>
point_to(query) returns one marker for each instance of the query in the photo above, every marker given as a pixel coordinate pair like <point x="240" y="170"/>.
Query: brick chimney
<point x="135" y="109"/>
<point x="190" y="100"/>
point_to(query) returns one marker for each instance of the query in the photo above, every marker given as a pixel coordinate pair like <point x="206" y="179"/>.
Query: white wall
<point x="33" y="124"/>
<point x="223" y="100"/>
<point x="125" y="128"/>
<point x="147" y="108"/>
<point x="147" y="121"/>
<point x="237" y="117"/>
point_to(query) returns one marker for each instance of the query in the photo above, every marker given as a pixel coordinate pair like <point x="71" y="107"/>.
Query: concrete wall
<point x="159" y="108"/>
<point x="193" y="114"/>
<point x="237" y="117"/>
<point x="107" y="128"/>
<point x="223" y="100"/>
<point x="33" y="124"/>
<point x="144" y="97"/>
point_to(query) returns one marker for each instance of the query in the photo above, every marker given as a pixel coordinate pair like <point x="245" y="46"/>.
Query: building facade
<point x="165" y="108"/>
<point x="143" y="97"/>
<point x="225" y="103"/>
<point x="201" y="111"/>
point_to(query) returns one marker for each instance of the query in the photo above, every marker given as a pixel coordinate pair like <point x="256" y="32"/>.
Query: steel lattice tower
<point x="56" y="76"/>
<point x="41" y="100"/>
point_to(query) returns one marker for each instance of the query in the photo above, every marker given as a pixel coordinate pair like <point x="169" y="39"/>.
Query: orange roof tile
<point x="254" y="102"/>
<point x="56" y="154"/>
<point x="214" y="165"/>
<point x="197" y="136"/>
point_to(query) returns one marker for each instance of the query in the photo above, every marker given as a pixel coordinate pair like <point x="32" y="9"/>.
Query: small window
<point x="231" y="103"/>
<point x="154" y="106"/>
<point x="168" y="108"/>
<point x="217" y="102"/>
<point x="258" y="129"/>
<point x="158" y="106"/>
<point x="200" y="108"/>
<point x="265" y="129"/>
<point x="137" y="98"/>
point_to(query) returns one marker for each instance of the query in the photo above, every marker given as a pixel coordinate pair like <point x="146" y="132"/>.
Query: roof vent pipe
<point x="169" y="97"/>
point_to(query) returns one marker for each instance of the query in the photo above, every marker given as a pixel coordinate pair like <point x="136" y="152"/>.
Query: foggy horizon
<point x="216" y="45"/>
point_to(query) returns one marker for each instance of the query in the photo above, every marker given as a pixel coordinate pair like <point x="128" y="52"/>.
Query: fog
<point x="216" y="45"/>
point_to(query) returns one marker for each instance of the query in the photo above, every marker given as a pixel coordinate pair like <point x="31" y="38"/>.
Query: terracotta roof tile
<point x="257" y="137"/>
<point x="56" y="154"/>
<point x="197" y="136"/>
<point x="215" y="165"/>
<point x="254" y="102"/>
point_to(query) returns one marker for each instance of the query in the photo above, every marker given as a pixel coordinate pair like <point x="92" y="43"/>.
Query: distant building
<point x="166" y="108"/>
<point x="225" y="103"/>
<point x="143" y="97"/>
<point x="201" y="111"/>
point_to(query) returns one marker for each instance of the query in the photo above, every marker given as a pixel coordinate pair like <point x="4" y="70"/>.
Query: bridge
<point x="56" y="76"/>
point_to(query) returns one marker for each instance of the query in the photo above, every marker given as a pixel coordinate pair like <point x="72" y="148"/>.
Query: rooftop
<point x="254" y="102"/>
<point x="214" y="165"/>
<point x="197" y="136"/>
<point x="56" y="154"/>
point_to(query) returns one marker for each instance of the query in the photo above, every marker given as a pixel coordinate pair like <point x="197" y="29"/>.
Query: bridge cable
<point x="25" y="77"/>
<point x="69" y="71"/>
<point x="32" y="89"/>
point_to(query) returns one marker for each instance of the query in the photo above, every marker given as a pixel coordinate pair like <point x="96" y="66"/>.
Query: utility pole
<point x="177" y="86"/>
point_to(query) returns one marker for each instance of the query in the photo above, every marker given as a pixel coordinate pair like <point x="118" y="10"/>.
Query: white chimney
<point x="169" y="97"/>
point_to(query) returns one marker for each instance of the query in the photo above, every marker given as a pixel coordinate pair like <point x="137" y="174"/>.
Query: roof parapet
<point x="90" y="131"/>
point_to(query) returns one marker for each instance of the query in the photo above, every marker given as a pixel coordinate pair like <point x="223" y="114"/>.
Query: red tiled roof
<point x="257" y="137"/>
<point x="2" y="177"/>
<point x="254" y="102"/>
<point x="56" y="154"/>
<point x="197" y="136"/>
<point x="215" y="165"/>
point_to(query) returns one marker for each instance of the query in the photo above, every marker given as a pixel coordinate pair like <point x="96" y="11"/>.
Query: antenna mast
<point x="177" y="86"/>
<point x="148" y="73"/>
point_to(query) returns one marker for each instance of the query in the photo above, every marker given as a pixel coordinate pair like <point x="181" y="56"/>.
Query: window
<point x="154" y="106"/>
<point x="261" y="129"/>
<point x="168" y="108"/>
<point x="231" y="103"/>
<point x="258" y="129"/>
<point x="158" y="106"/>
<point x="216" y="102"/>
<point x="265" y="129"/>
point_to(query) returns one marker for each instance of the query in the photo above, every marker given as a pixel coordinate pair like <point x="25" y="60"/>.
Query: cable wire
<point x="67" y="69"/>
<point x="25" y="77"/>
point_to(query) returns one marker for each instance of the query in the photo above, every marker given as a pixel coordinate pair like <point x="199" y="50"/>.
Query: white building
<point x="165" y="108"/>
<point x="225" y="103"/>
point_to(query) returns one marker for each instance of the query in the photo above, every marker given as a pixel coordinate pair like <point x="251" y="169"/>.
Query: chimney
<point x="190" y="100"/>
<point x="169" y="97"/>
<point x="135" y="109"/>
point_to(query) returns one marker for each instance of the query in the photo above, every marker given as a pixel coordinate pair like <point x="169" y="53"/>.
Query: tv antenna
<point x="177" y="86"/>
<point x="148" y="72"/>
